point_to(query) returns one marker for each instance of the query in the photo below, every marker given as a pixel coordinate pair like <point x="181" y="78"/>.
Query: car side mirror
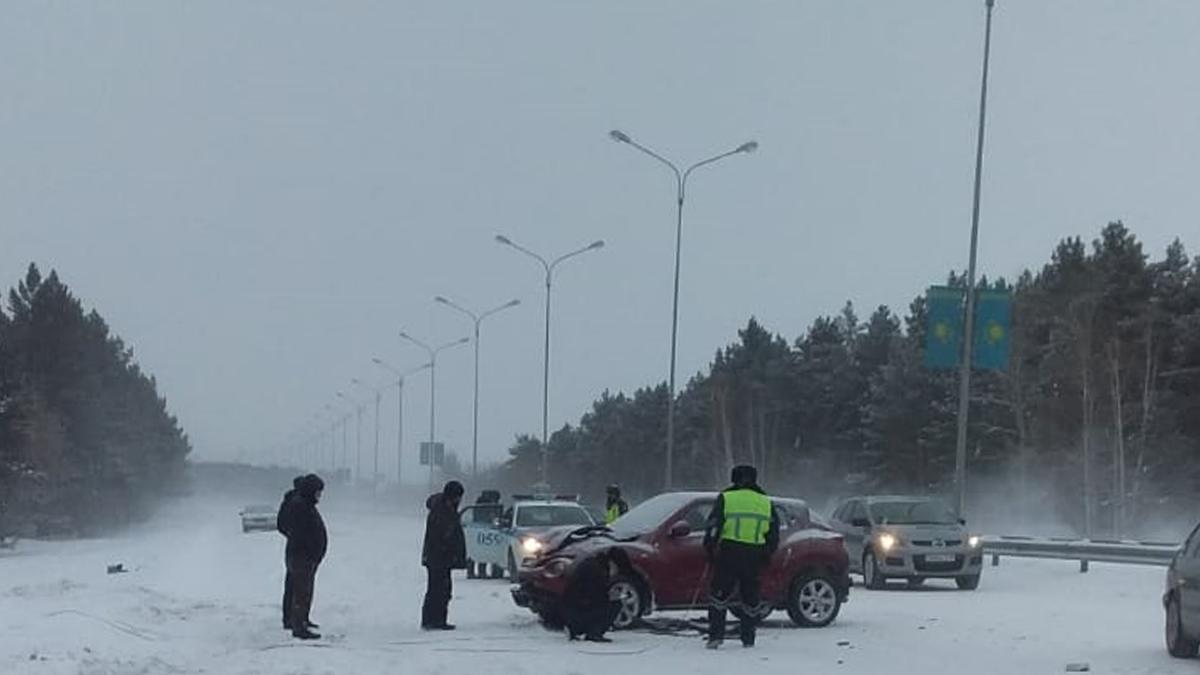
<point x="680" y="529"/>
<point x="860" y="522"/>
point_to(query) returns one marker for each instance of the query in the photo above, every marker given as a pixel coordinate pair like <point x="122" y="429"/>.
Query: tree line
<point x="1094" y="423"/>
<point x="86" y="441"/>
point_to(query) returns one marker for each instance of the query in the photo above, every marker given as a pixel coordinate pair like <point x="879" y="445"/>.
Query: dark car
<point x="910" y="538"/>
<point x="1182" y="599"/>
<point x="663" y="541"/>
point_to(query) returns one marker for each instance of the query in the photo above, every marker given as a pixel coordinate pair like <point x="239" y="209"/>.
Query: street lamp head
<point x="463" y="341"/>
<point x="441" y="299"/>
<point x="599" y="243"/>
<point x="512" y="303"/>
<point x="620" y="136"/>
<point x="355" y="380"/>
<point x="748" y="147"/>
<point x="404" y="335"/>
<point x="376" y="361"/>
<point x="501" y="239"/>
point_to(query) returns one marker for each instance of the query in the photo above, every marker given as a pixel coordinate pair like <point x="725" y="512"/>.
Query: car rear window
<point x="551" y="516"/>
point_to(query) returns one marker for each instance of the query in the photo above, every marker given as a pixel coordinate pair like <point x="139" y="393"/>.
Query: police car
<point x="501" y="537"/>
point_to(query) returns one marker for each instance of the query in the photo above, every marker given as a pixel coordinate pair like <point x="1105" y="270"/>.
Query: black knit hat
<point x="743" y="475"/>
<point x="453" y="489"/>
<point x="311" y="485"/>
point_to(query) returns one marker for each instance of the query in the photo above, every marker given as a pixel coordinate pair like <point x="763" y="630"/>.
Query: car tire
<point x="813" y="600"/>
<point x="512" y="568"/>
<point x="497" y="572"/>
<point x="1178" y="644"/>
<point x="628" y="592"/>
<point x="471" y="574"/>
<point x="967" y="583"/>
<point x="873" y="578"/>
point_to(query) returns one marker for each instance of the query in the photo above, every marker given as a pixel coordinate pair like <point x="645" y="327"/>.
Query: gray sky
<point x="259" y="195"/>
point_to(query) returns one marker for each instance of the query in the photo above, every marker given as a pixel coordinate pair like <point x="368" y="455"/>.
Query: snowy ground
<point x="202" y="597"/>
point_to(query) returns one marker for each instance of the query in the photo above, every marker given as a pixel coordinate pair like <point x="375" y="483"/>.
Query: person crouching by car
<point x="588" y="609"/>
<point x="445" y="549"/>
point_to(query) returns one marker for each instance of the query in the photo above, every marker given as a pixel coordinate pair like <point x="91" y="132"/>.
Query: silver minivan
<point x="910" y="538"/>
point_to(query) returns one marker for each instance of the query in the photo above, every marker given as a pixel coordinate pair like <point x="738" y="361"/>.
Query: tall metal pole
<point x="345" y="435"/>
<point x="477" y="319"/>
<point x="432" y="412"/>
<point x="400" y="434"/>
<point x="674" y="340"/>
<point x="475" y="412"/>
<point x="549" y="269"/>
<point x="375" y="468"/>
<point x="964" y="391"/>
<point x="546" y="388"/>
<point x="681" y="178"/>
<point x="358" y="445"/>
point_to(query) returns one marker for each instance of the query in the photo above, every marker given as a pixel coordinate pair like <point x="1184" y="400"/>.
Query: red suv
<point x="663" y="540"/>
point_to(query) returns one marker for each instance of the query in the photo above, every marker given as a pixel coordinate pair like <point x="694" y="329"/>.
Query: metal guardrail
<point x="1082" y="550"/>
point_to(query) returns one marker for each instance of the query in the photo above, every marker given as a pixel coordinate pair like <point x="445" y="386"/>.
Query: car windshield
<point x="645" y="516"/>
<point x="929" y="512"/>
<point x="552" y="516"/>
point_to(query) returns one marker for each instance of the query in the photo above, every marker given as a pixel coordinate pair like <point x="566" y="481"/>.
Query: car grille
<point x="929" y="542"/>
<point x="921" y="565"/>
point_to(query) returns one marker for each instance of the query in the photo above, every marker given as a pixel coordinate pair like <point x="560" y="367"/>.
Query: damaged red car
<point x="662" y="539"/>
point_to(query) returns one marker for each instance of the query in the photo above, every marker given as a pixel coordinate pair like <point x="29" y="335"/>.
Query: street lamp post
<point x="433" y="354"/>
<point x="964" y="390"/>
<point x="548" y="267"/>
<point x="375" y="393"/>
<point x="477" y="319"/>
<point x="400" y="414"/>
<point x="681" y="178"/>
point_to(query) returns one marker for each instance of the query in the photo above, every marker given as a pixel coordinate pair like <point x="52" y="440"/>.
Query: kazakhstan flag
<point x="943" y="333"/>
<point x="993" y="326"/>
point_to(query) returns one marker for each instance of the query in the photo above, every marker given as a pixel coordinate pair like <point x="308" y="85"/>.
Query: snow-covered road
<point x="202" y="597"/>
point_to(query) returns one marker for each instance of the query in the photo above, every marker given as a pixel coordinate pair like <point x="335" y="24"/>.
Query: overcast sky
<point x="260" y="195"/>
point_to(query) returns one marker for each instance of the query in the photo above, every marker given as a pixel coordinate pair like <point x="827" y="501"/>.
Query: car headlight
<point x="974" y="541"/>
<point x="531" y="545"/>
<point x="887" y="542"/>
<point x="556" y="568"/>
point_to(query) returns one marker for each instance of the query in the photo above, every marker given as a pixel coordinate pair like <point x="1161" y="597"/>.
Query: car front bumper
<point x="931" y="562"/>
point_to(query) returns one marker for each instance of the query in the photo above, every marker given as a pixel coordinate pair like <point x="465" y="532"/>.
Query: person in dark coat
<point x="307" y="542"/>
<point x="445" y="549"/>
<point x="281" y="524"/>
<point x="587" y="608"/>
<point x="741" y="534"/>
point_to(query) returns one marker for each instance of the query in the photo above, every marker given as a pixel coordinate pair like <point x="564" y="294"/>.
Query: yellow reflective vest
<point x="747" y="517"/>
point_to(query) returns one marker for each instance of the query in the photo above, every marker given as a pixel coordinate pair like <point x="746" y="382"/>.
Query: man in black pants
<point x="307" y="541"/>
<point x="742" y="533"/>
<point x="281" y="524"/>
<point x="445" y="549"/>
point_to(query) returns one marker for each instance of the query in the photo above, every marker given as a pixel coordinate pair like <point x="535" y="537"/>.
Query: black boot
<point x="305" y="634"/>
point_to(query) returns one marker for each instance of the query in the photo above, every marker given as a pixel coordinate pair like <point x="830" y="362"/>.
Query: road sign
<point x="439" y="453"/>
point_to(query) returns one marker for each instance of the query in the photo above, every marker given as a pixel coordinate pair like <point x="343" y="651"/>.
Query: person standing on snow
<point x="445" y="549"/>
<point x="741" y="535"/>
<point x="615" y="507"/>
<point x="307" y="542"/>
<point x="281" y="524"/>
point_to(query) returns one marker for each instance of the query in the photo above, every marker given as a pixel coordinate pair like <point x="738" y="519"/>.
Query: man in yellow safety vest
<point x="614" y="507"/>
<point x="741" y="535"/>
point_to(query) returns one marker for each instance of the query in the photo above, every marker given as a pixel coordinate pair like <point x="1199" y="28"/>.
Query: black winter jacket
<point x="445" y="545"/>
<point x="307" y="538"/>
